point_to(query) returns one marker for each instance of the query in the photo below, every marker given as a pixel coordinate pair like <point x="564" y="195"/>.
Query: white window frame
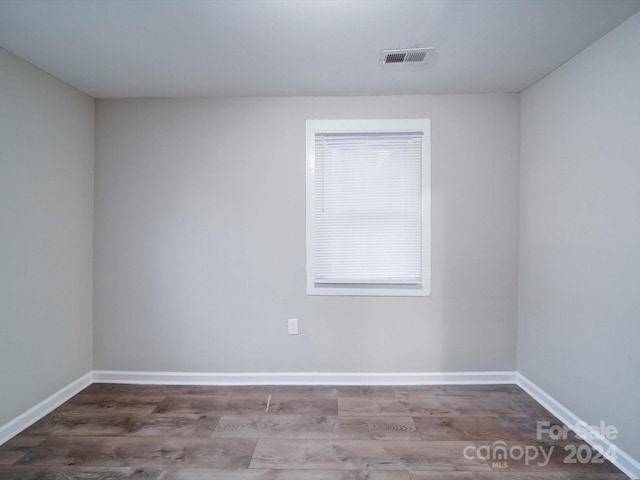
<point x="369" y="126"/>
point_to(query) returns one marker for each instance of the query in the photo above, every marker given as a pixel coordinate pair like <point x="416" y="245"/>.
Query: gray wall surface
<point x="200" y="240"/>
<point x="579" y="305"/>
<point x="46" y="224"/>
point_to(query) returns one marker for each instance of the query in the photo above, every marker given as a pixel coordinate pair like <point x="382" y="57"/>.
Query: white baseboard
<point x="303" y="378"/>
<point x="28" y="418"/>
<point x="622" y="460"/>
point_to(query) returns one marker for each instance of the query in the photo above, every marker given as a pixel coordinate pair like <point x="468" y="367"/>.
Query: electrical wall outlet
<point x="292" y="325"/>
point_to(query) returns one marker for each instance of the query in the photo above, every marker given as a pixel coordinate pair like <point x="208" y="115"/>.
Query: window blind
<point x="367" y="208"/>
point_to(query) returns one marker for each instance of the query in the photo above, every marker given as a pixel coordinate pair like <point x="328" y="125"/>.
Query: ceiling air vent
<point x="413" y="56"/>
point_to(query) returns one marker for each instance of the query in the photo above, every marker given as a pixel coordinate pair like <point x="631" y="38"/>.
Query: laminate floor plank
<point x="377" y="391"/>
<point x="515" y="476"/>
<point x="124" y="424"/>
<point x="261" y="474"/>
<point x="476" y="428"/>
<point x="249" y="404"/>
<point x="431" y="406"/>
<point x="218" y="390"/>
<point x="12" y="450"/>
<point x="101" y="403"/>
<point x="363" y="455"/>
<point x="311" y="427"/>
<point x="533" y="409"/>
<point x="315" y="391"/>
<point x="140" y="451"/>
<point x="468" y="391"/>
<point x="21" y="440"/>
<point x="9" y="457"/>
<point x="28" y="472"/>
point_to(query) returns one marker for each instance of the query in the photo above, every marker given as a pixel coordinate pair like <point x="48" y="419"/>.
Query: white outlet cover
<point x="292" y="325"/>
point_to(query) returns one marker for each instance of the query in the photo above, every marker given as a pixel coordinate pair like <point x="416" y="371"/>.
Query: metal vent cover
<point x="406" y="55"/>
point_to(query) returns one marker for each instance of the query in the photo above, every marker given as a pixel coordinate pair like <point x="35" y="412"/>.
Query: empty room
<point x="320" y="239"/>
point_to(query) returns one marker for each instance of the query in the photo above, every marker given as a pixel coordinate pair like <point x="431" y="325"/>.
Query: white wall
<point x="46" y="211"/>
<point x="200" y="240"/>
<point x="579" y="315"/>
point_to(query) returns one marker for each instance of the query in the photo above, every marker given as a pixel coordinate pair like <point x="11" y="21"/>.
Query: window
<point x="368" y="207"/>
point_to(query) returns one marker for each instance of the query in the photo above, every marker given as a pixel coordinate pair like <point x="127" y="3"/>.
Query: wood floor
<point x="296" y="433"/>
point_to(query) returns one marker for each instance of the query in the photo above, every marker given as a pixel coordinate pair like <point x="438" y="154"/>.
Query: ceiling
<point x="185" y="48"/>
